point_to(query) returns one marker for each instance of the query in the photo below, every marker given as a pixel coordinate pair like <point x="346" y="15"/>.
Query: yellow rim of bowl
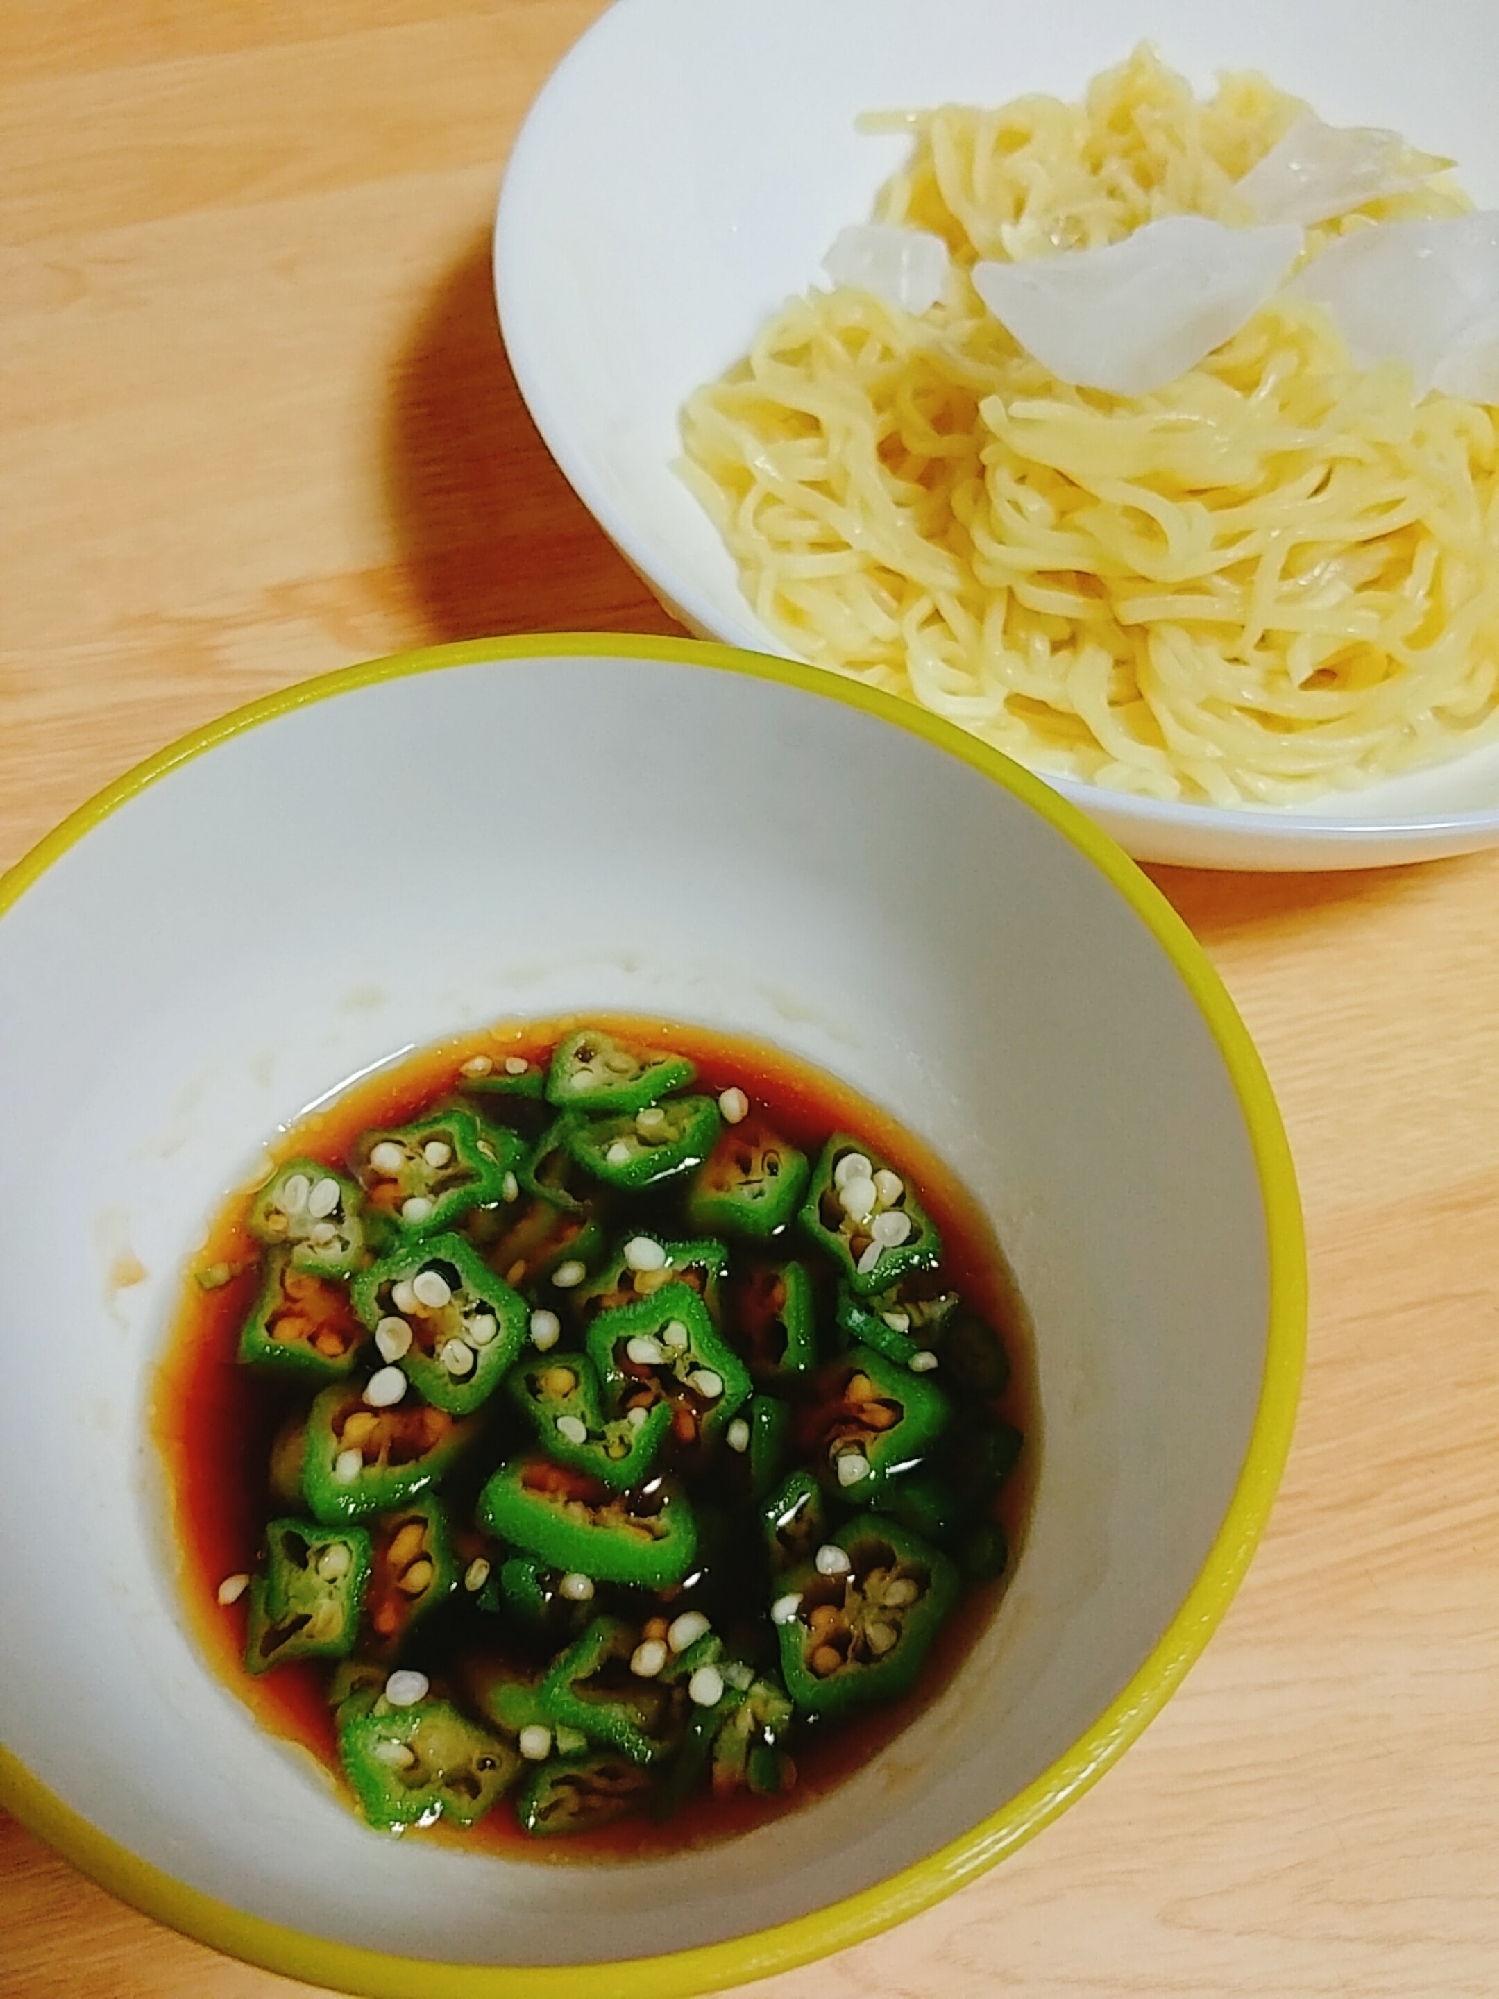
<point x="346" y="1968"/>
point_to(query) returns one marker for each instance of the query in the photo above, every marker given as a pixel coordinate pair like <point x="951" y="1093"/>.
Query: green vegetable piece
<point x="301" y="1324"/>
<point x="559" y="1396"/>
<point x="528" y="1082"/>
<point x="314" y="1212"/>
<point x="700" y="1264"/>
<point x="647" y="1537"/>
<point x="591" y="1688"/>
<point x="692" y="1760"/>
<point x="595" y="1069"/>
<point x="929" y="1504"/>
<point x="638" y="1149"/>
<point x="979" y="1457"/>
<point x="758" y="1723"/>
<point x="895" y="1324"/>
<point x="769" y="1440"/>
<point x="796" y="1522"/>
<point x="415" y="1569"/>
<point x="877" y="1421"/>
<point x="750" y="1185"/>
<point x="416" y="1765"/>
<point x="306" y="1605"/>
<point x="467" y="1326"/>
<point x="419" y="1178"/>
<point x="889" y="1607"/>
<point x="357" y="1460"/>
<point x="665" y="1348"/>
<point x="581" y="1793"/>
<point x="983" y="1553"/>
<point x="543" y="1237"/>
<point x="551" y="1171"/>
<point x="774" y="1310"/>
<point x="357" y="1684"/>
<point x="867" y="1218"/>
<point x="973" y="1358"/>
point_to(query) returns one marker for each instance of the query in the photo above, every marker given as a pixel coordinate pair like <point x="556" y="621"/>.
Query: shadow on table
<point x="492" y="538"/>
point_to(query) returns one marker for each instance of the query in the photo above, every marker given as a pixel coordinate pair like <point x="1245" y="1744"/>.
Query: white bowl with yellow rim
<point x="686" y="169"/>
<point x="427" y="844"/>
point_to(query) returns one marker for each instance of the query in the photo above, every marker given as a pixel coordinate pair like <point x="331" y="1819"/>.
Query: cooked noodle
<point x="1276" y="576"/>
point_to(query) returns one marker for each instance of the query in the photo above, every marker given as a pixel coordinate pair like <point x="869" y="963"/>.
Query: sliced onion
<point x="1318" y="171"/>
<point x="904" y="267"/>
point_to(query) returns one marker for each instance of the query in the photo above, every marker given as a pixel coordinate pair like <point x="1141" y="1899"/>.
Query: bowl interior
<point x="434" y="850"/>
<point x="734" y="161"/>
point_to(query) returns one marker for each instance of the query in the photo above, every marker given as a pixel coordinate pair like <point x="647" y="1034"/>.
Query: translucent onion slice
<point x="1318" y="171"/>
<point x="905" y="267"/>
<point x="1134" y="315"/>
<point x="1425" y="293"/>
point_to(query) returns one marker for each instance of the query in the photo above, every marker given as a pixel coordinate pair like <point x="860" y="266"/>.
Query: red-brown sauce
<point x="214" y="1420"/>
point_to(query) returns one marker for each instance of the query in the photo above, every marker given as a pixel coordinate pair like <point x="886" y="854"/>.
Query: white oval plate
<point x="687" y="166"/>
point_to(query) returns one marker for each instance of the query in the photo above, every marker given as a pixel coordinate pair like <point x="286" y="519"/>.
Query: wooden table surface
<point x="258" y="424"/>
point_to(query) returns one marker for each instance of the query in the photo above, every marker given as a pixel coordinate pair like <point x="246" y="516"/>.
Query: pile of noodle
<point x="1276" y="576"/>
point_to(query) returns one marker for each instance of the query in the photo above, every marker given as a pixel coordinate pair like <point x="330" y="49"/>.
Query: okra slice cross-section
<point x="750" y="1184"/>
<point x="313" y="1212"/>
<point x="594" y="1068"/>
<point x="875" y="1421"/>
<point x="867" y="1217"/>
<point x="307" y="1604"/>
<point x="643" y="1264"/>
<point x="357" y="1460"/>
<point x="591" y="1687"/>
<point x="559" y="1396"/>
<point x="639" y="1149"/>
<point x="666" y="1347"/>
<point x="416" y="1765"/>
<point x="581" y="1793"/>
<point x="413" y="1569"/>
<point x="647" y="1536"/>
<point x="862" y="1616"/>
<point x="419" y="1178"/>
<point x="442" y="1316"/>
<point x="301" y="1324"/>
<point x="774" y="1311"/>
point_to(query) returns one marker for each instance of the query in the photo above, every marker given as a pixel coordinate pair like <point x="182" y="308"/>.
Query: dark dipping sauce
<point x="216" y="1422"/>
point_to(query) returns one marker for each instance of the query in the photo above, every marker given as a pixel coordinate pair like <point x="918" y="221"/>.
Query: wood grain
<point x="259" y="424"/>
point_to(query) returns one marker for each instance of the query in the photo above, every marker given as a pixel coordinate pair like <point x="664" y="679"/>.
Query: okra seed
<point x="899" y="1593"/>
<point x="648" y="1658"/>
<point x="643" y="1252"/>
<point x="852" y="1467"/>
<point x="891" y="1228"/>
<point x="619" y="1153"/>
<point x="784" y="1609"/>
<point x="436" y="1153"/>
<point x="898" y="1322"/>
<point x="387" y="1156"/>
<point x="889" y="1186"/>
<point x="708" y="1384"/>
<point x="393" y="1338"/>
<point x="394" y="1755"/>
<point x="406" y="1687"/>
<point x="569" y="1274"/>
<point x="480" y="1329"/>
<point x="431" y="1289"/>
<point x="737" y="1435"/>
<point x="385" y="1388"/>
<point x="686" y="1630"/>
<point x="476" y="1575"/>
<point x="416" y="1209"/>
<point x="583" y="1079"/>
<point x="825" y="1660"/>
<point x="705" y="1688"/>
<point x="880" y="1638"/>
<point x="857" y="1196"/>
<point x="457" y="1358"/>
<point x="546" y="1329"/>
<point x="570" y="1741"/>
<point x="923" y="1362"/>
<point x="853" y="1165"/>
<point x="323" y="1199"/>
<point x="232" y="1588"/>
<point x="334" y="1561"/>
<point x="322" y="1233"/>
<point x="674" y="1333"/>
<point x="832" y="1561"/>
<point x="738" y="1675"/>
<point x="293" y="1195"/>
<point x="417" y="1578"/>
<point x="576" y="1587"/>
<point x="478" y="1065"/>
<point x="735" y="1106"/>
<point x="407" y="1543"/>
<point x="510" y="1187"/>
<point x="650" y="1119"/>
<point x="516" y="1065"/>
<point x="871" y="1255"/>
<point x="402" y="1296"/>
<point x="347" y="1466"/>
<point x="535" y="1743"/>
<point x="573" y="1428"/>
<point x="638" y="1417"/>
<point x="644" y="1351"/>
